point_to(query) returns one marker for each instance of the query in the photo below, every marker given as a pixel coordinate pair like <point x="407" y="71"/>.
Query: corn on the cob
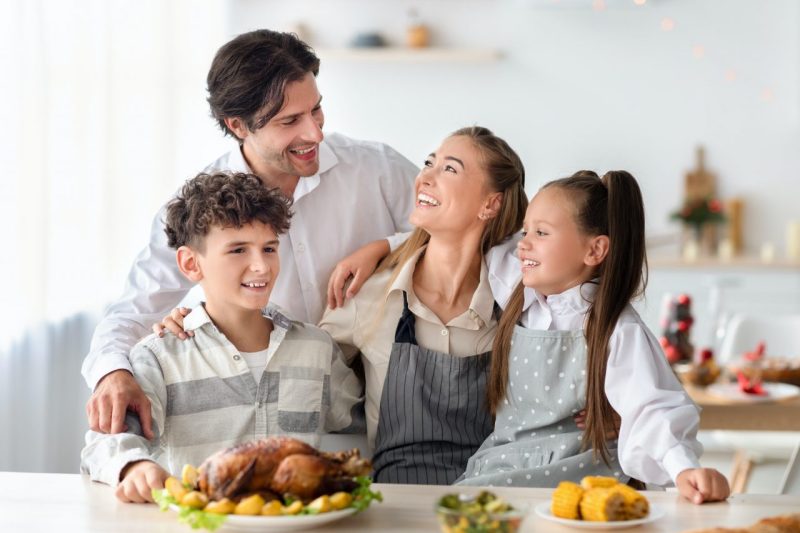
<point x="602" y="505"/>
<point x="597" y="482"/>
<point x="566" y="500"/>
<point x="636" y="505"/>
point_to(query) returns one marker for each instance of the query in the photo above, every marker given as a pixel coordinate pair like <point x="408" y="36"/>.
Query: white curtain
<point x="103" y="113"/>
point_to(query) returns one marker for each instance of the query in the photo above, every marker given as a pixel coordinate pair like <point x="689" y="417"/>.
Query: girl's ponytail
<point x="622" y="276"/>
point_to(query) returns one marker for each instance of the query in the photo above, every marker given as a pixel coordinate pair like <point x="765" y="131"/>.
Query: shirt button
<point x="444" y="332"/>
<point x="301" y="248"/>
<point x="236" y="357"/>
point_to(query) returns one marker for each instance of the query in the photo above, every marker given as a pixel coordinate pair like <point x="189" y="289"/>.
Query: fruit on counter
<point x="599" y="499"/>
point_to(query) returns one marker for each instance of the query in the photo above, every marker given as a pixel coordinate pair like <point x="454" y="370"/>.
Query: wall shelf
<point x="410" y="55"/>
<point x="737" y="262"/>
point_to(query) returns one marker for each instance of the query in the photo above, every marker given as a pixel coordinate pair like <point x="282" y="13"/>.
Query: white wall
<point x="583" y="89"/>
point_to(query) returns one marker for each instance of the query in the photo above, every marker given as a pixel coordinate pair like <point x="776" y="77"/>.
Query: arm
<point x="657" y="438"/>
<point x="356" y="267"/>
<point x="346" y="412"/>
<point x="658" y="434"/>
<point x="128" y="458"/>
<point x="154" y="286"/>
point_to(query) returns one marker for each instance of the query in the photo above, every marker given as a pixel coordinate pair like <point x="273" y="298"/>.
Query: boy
<point x="248" y="371"/>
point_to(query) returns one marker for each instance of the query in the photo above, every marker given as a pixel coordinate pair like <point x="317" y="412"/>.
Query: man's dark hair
<point x="250" y="73"/>
<point x="225" y="200"/>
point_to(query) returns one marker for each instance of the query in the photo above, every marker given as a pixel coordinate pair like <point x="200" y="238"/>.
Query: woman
<point x="424" y="322"/>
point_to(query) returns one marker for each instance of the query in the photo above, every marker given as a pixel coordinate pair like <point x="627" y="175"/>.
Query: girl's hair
<point x="609" y="206"/>
<point x="506" y="175"/>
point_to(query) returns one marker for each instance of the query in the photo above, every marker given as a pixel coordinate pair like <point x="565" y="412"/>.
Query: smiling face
<point x="555" y="254"/>
<point x="452" y="191"/>
<point x="238" y="267"/>
<point x="287" y="145"/>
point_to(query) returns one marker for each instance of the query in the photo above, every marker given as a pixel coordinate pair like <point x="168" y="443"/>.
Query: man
<point x="346" y="193"/>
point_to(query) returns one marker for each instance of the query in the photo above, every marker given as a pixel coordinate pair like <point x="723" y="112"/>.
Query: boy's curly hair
<point x="223" y="199"/>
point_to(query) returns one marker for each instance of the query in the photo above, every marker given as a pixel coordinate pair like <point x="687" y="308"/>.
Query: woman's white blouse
<point x="658" y="435"/>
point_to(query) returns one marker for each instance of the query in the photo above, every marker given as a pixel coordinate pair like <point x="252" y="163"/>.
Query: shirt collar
<point x="481" y="306"/>
<point x="199" y="317"/>
<point x="236" y="161"/>
<point x="572" y="301"/>
<point x="327" y="160"/>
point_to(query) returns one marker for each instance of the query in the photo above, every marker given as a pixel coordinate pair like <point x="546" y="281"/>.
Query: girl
<point x="569" y="339"/>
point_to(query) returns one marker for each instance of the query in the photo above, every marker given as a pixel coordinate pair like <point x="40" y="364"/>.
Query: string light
<point x="598" y="5"/>
<point x="640" y="2"/>
<point x="767" y="95"/>
<point x="730" y="75"/>
<point x="698" y="51"/>
<point x="667" y="24"/>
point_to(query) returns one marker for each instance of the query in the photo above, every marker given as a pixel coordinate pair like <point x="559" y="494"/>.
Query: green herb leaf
<point x="195" y="518"/>
<point x="363" y="495"/>
<point x="163" y="498"/>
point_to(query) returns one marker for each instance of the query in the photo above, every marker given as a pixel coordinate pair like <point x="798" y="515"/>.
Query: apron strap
<point x="407" y="326"/>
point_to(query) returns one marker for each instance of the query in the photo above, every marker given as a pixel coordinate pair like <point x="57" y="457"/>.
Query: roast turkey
<point x="280" y="466"/>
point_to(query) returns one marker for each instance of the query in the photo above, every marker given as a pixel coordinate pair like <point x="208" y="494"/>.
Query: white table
<point x="70" y="503"/>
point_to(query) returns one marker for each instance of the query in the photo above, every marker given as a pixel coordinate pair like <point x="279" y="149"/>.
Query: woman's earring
<point x="482" y="216"/>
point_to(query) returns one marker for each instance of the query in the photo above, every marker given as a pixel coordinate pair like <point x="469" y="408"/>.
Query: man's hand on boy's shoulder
<point x="173" y="323"/>
<point x="137" y="481"/>
<point x="115" y="394"/>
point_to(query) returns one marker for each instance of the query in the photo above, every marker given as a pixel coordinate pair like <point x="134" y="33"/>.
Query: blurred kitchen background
<point x="104" y="108"/>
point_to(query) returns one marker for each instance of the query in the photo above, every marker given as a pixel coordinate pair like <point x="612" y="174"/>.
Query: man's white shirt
<point x="362" y="192"/>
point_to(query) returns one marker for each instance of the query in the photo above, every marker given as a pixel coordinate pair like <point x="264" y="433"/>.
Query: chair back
<point x="790" y="484"/>
<point x="781" y="333"/>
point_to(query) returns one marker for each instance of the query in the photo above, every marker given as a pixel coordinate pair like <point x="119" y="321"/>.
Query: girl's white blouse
<point x="658" y="435"/>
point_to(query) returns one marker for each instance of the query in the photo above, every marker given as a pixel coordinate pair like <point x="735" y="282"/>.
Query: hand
<point x="117" y="393"/>
<point x="357" y="266"/>
<point x="580" y="422"/>
<point x="173" y="323"/>
<point x="138" y="481"/>
<point x="699" y="485"/>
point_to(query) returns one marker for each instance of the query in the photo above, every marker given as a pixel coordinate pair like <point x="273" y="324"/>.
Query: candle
<point x="691" y="251"/>
<point x="767" y="252"/>
<point x="793" y="240"/>
<point x="725" y="250"/>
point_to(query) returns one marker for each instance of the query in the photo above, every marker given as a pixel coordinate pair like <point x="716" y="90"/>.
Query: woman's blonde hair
<point x="506" y="175"/>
